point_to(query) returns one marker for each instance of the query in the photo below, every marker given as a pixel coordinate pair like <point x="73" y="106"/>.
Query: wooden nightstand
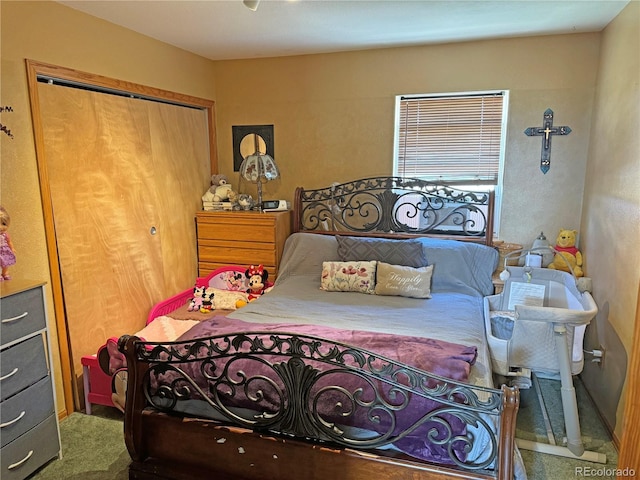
<point x="241" y="238"/>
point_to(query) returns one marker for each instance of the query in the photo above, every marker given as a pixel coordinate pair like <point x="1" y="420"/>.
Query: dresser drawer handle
<point x="17" y="464"/>
<point x="13" y="319"/>
<point x="11" y="422"/>
<point x="10" y="374"/>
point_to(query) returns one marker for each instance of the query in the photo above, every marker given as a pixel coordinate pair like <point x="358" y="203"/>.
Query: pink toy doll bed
<point x="105" y="372"/>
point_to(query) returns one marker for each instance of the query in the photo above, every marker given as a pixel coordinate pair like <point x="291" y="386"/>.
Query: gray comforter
<point x="461" y="278"/>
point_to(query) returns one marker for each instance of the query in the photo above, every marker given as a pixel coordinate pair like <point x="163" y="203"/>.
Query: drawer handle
<point x="10" y="374"/>
<point x="17" y="464"/>
<point x="11" y="422"/>
<point x="13" y="319"/>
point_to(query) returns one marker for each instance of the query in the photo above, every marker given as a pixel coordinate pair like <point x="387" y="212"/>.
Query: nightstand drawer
<point x="22" y="314"/>
<point x="22" y="365"/>
<point x="25" y="410"/>
<point x="242" y="253"/>
<point x="30" y="451"/>
<point x="256" y="231"/>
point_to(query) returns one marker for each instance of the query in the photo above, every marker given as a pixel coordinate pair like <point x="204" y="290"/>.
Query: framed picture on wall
<point x="248" y="139"/>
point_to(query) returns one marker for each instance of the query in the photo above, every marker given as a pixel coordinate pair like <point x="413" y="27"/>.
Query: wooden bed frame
<point x="165" y="444"/>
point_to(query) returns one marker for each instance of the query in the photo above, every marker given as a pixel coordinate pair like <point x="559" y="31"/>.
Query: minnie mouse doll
<point x="257" y="281"/>
<point x="7" y="252"/>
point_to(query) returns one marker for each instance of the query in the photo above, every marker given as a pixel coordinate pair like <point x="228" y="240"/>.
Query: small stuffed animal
<point x="233" y="197"/>
<point x="567" y="253"/>
<point x="219" y="189"/>
<point x="257" y="281"/>
<point x="207" y="300"/>
<point x="196" y="302"/>
<point x="245" y="201"/>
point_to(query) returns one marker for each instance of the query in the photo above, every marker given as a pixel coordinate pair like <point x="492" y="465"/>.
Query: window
<point x="456" y="137"/>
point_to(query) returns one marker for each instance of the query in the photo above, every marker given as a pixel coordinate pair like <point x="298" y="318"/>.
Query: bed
<point x="368" y="357"/>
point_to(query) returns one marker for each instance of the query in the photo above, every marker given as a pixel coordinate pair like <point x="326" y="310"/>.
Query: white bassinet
<point x="537" y="324"/>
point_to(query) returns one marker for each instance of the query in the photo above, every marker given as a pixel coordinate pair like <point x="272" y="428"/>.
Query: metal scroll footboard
<point x="323" y="391"/>
<point x="399" y="205"/>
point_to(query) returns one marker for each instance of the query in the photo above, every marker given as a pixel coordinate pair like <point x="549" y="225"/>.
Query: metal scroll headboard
<point x="406" y="206"/>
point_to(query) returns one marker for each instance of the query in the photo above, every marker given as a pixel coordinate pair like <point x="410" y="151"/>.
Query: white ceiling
<point x="226" y="29"/>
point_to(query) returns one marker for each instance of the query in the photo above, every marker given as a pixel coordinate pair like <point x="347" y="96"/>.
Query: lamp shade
<point x="259" y="168"/>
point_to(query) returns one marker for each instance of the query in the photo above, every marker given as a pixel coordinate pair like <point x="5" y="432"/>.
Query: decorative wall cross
<point x="546" y="131"/>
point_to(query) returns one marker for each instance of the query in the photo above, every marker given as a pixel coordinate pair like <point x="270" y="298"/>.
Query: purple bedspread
<point x="445" y="359"/>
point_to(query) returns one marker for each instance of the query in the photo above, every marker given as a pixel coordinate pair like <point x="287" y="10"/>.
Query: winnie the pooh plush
<point x="567" y="254"/>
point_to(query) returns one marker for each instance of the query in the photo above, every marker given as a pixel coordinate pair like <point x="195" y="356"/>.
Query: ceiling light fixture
<point x="251" y="4"/>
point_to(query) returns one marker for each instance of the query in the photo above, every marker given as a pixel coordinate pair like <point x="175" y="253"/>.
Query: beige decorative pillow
<point x="403" y="281"/>
<point x="348" y="277"/>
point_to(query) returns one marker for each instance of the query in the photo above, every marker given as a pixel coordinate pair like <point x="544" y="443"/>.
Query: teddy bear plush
<point x="567" y="253"/>
<point x="221" y="187"/>
<point x="219" y="190"/>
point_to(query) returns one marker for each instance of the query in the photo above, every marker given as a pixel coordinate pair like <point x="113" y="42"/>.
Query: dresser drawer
<point x="30" y="451"/>
<point x="22" y="365"/>
<point x="22" y="313"/>
<point x="25" y="410"/>
<point x="242" y="253"/>
<point x="255" y="231"/>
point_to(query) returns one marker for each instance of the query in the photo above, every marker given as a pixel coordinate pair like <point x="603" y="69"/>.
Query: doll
<point x="257" y="281"/>
<point x="7" y="252"/>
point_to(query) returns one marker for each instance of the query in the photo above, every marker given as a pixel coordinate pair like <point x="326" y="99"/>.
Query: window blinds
<point x="457" y="138"/>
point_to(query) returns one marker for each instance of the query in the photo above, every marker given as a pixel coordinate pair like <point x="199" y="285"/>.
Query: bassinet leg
<point x="575" y="448"/>
<point x="569" y="403"/>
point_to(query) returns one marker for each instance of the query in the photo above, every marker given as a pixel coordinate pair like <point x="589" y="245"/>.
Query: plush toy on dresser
<point x="219" y="190"/>
<point x="567" y="254"/>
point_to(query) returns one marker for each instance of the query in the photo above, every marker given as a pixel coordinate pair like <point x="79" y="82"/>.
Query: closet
<point x="124" y="176"/>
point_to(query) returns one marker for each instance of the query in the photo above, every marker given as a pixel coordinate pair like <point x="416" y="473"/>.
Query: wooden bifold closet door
<point x="126" y="176"/>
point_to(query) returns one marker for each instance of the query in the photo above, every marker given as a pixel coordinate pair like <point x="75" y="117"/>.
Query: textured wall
<point x="334" y="114"/>
<point x="611" y="214"/>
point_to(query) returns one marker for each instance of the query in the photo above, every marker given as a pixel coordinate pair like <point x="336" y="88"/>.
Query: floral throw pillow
<point x="348" y="277"/>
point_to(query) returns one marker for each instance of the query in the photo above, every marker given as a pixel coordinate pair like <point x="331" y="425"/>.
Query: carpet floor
<point x="93" y="445"/>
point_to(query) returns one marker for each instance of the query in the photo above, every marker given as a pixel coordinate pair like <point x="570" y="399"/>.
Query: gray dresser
<point x="29" y="430"/>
